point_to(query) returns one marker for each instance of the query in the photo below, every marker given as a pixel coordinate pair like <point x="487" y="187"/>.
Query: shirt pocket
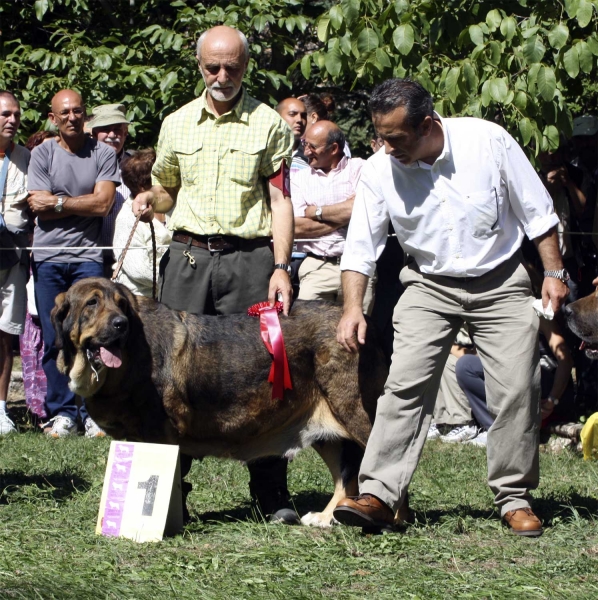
<point x="243" y="163"/>
<point x="482" y="210"/>
<point x="190" y="158"/>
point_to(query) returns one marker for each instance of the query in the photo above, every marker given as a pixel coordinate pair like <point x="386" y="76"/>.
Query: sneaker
<point x="92" y="429"/>
<point x="480" y="440"/>
<point x="433" y="432"/>
<point x="6" y="424"/>
<point x="460" y="434"/>
<point x="62" y="426"/>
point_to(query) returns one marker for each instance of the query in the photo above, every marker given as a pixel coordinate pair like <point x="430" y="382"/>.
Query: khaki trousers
<point x="452" y="406"/>
<point x="321" y="280"/>
<point x="498" y="310"/>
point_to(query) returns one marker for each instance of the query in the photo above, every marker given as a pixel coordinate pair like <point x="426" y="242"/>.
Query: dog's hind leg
<point x="343" y="458"/>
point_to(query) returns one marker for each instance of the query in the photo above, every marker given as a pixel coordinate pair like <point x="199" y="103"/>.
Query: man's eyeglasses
<point x="311" y="147"/>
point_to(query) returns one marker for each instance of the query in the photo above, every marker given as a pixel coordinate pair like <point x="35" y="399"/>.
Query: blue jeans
<point x="50" y="280"/>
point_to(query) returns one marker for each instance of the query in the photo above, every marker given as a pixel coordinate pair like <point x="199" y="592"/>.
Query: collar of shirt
<point x="240" y="110"/>
<point x="341" y="165"/>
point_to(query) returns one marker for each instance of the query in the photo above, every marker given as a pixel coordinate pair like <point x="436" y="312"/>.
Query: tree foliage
<point x="524" y="63"/>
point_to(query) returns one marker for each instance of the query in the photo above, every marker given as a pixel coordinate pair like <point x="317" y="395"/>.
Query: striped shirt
<point x="220" y="166"/>
<point x="313" y="187"/>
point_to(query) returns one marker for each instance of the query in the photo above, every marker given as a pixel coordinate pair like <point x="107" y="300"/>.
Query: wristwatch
<point x="284" y="267"/>
<point x="59" y="204"/>
<point x="319" y="213"/>
<point x="561" y="274"/>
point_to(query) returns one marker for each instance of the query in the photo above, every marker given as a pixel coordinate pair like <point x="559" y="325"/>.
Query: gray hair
<point x="202" y="38"/>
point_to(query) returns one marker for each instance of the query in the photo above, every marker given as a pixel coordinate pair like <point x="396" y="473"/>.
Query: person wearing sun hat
<point x="109" y="124"/>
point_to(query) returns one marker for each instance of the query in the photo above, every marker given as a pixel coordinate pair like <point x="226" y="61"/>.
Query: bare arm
<point x="335" y="214"/>
<point x="158" y="199"/>
<point x="282" y="236"/>
<point x="352" y="326"/>
<point x="553" y="290"/>
<point x="96" y="204"/>
<point x="307" y="229"/>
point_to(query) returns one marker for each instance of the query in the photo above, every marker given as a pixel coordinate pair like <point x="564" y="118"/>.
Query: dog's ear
<point x="133" y="305"/>
<point x="58" y="315"/>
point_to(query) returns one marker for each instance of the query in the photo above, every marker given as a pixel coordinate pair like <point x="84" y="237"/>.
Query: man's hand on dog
<point x="554" y="292"/>
<point x="280" y="283"/>
<point x="351" y="329"/>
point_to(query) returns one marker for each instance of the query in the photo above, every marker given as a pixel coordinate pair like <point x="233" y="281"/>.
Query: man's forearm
<point x="354" y="287"/>
<point x="335" y="214"/>
<point x="307" y="229"/>
<point x="90" y="205"/>
<point x="164" y="198"/>
<point x="548" y="249"/>
<point x="282" y="229"/>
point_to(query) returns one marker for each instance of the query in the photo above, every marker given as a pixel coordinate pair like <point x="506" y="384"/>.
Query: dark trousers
<point x="224" y="283"/>
<point x="470" y="377"/>
<point x="50" y="280"/>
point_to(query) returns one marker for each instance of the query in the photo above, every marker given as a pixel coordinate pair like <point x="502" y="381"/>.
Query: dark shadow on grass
<point x="561" y="505"/>
<point x="434" y="517"/>
<point x="58" y="486"/>
<point x="303" y="502"/>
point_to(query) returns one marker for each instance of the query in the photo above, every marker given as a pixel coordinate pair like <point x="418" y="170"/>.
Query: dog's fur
<point x="582" y="320"/>
<point x="201" y="382"/>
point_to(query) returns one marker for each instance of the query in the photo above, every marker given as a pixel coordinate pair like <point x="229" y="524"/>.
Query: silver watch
<point x="561" y="274"/>
<point x="319" y="213"/>
<point x="59" y="204"/>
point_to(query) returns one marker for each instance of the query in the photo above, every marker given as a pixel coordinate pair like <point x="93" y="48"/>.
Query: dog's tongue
<point x="582" y="345"/>
<point x="111" y="358"/>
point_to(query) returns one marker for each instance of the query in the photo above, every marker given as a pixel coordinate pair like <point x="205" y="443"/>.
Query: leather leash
<point x="119" y="264"/>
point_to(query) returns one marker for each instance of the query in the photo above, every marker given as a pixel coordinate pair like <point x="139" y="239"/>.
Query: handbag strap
<point x="3" y="174"/>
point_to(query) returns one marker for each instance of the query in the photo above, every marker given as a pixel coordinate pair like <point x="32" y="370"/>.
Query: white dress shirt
<point x="462" y="216"/>
<point x="313" y="187"/>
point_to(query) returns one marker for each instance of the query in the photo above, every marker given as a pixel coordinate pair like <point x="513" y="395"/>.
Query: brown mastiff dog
<point x="582" y="320"/>
<point x="152" y="374"/>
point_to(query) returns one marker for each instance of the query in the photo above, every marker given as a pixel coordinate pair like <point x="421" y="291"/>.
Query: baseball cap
<point x="585" y="125"/>
<point x="108" y="114"/>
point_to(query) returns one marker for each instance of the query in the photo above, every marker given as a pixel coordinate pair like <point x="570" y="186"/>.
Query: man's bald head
<point x="224" y="37"/>
<point x="294" y="113"/>
<point x="324" y="145"/>
<point x="68" y="114"/>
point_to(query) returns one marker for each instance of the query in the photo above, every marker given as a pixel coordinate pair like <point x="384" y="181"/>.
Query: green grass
<point x="50" y="491"/>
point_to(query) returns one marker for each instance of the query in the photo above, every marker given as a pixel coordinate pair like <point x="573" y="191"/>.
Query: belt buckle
<point x="216" y="243"/>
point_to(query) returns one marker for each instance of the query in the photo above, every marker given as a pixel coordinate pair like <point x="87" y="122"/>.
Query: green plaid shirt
<point x="221" y="166"/>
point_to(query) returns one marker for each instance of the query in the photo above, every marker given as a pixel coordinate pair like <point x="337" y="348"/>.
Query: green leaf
<point x="525" y="128"/>
<point x="41" y="7"/>
<point x="149" y="84"/>
<point x="498" y="89"/>
<point x="558" y="36"/>
<point x="508" y="27"/>
<point x="470" y="77"/>
<point x="592" y="43"/>
<point x="546" y="83"/>
<point x="486" y="98"/>
<point x="336" y="17"/>
<point x="520" y="100"/>
<point x="367" y="41"/>
<point x="571" y="62"/>
<point x="168" y="81"/>
<point x="382" y="58"/>
<point x="306" y="66"/>
<point x="322" y="31"/>
<point x="533" y="49"/>
<point x="452" y="83"/>
<point x="586" y="59"/>
<point x="494" y="53"/>
<point x="584" y="13"/>
<point x="476" y="34"/>
<point x="333" y="61"/>
<point x="493" y="19"/>
<point x="404" y="38"/>
<point x="350" y="10"/>
<point x="552" y="133"/>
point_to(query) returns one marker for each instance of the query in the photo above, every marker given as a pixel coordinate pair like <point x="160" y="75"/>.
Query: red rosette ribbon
<point x="280" y="376"/>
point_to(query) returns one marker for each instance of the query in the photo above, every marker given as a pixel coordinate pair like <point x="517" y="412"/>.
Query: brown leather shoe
<point x="523" y="522"/>
<point x="364" y="510"/>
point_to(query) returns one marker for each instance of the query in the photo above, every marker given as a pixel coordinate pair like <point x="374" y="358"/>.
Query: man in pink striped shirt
<point x="323" y="202"/>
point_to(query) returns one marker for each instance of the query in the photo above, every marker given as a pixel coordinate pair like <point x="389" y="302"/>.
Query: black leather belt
<point x="218" y="243"/>
<point x="336" y="260"/>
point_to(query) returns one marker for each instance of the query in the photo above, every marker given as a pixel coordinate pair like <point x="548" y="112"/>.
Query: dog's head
<point x="582" y="319"/>
<point x="92" y="321"/>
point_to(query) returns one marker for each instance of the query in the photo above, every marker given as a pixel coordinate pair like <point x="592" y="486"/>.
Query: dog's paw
<point x="313" y="519"/>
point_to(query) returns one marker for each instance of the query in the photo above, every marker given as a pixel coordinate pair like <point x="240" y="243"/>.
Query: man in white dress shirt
<point x="461" y="195"/>
<point x="322" y="198"/>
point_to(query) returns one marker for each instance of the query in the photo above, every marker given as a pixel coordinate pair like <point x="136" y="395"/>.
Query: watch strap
<point x="283" y="266"/>
<point x="561" y="274"/>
